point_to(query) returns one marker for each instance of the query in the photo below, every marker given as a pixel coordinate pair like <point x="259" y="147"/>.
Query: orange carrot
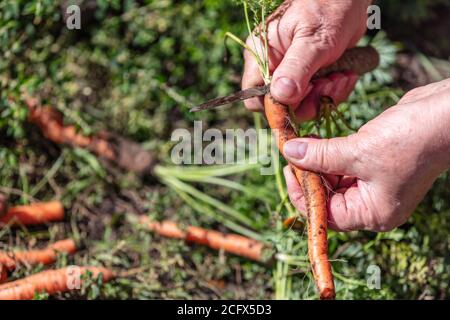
<point x="233" y="243"/>
<point x="125" y="153"/>
<point x="51" y="282"/>
<point x="45" y="256"/>
<point x="360" y="61"/>
<point x="293" y="223"/>
<point x="315" y="198"/>
<point x="36" y="213"/>
<point x="50" y="122"/>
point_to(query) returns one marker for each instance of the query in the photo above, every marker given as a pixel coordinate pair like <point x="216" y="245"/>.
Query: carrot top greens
<point x="256" y="14"/>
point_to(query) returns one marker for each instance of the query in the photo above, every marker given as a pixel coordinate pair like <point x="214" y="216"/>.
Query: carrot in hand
<point x="51" y="282"/>
<point x="233" y="243"/>
<point x="32" y="257"/>
<point x="35" y="213"/>
<point x="360" y="61"/>
<point x="278" y="117"/>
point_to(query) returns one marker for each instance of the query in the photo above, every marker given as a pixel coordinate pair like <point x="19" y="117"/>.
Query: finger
<point x="424" y="92"/>
<point x="346" y="210"/>
<point x="346" y="182"/>
<point x="294" y="191"/>
<point x="338" y="86"/>
<point x="343" y="85"/>
<point x="338" y="156"/>
<point x="251" y="78"/>
<point x="252" y="74"/>
<point x="291" y="78"/>
<point x="254" y="104"/>
<point x="309" y="106"/>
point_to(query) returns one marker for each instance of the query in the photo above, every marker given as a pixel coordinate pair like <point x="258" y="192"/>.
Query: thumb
<point x="336" y="156"/>
<point x="290" y="81"/>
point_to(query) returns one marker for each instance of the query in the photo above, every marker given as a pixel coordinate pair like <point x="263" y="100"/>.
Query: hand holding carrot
<point x="305" y="36"/>
<point x="380" y="174"/>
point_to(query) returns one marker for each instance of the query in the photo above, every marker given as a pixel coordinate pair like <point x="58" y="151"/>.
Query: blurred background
<point x="134" y="69"/>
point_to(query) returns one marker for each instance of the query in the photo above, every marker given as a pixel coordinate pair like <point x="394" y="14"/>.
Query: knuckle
<point x="335" y="154"/>
<point x="411" y="95"/>
<point x="384" y="215"/>
<point x="294" y="64"/>
<point x="308" y="30"/>
<point x="322" y="36"/>
<point x="321" y="152"/>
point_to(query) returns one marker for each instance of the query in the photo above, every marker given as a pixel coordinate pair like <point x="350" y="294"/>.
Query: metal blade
<point x="237" y="96"/>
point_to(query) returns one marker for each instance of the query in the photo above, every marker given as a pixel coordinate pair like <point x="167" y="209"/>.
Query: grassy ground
<point x="133" y="69"/>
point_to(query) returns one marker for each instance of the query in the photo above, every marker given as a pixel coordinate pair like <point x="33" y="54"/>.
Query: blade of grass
<point x="198" y="206"/>
<point x="231" y="212"/>
<point x="50" y="173"/>
<point x="213" y="171"/>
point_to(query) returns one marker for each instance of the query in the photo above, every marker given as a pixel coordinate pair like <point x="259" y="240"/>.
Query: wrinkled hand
<point x="379" y="175"/>
<point x="304" y="36"/>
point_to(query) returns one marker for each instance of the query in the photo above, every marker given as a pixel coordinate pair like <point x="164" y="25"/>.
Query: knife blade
<point x="237" y="96"/>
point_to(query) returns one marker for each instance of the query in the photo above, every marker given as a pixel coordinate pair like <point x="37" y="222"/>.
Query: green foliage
<point x="413" y="12"/>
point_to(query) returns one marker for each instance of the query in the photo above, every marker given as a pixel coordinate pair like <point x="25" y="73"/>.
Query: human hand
<point x="304" y="36"/>
<point x="379" y="175"/>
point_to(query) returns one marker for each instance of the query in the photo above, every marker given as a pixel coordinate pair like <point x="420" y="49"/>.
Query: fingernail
<point x="284" y="87"/>
<point x="295" y="149"/>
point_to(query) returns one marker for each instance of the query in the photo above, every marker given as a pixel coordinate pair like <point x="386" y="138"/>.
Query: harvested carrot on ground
<point x="45" y="256"/>
<point x="51" y="282"/>
<point x="125" y="153"/>
<point x="233" y="243"/>
<point x="35" y="213"/>
<point x="50" y="122"/>
<point x="293" y="223"/>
